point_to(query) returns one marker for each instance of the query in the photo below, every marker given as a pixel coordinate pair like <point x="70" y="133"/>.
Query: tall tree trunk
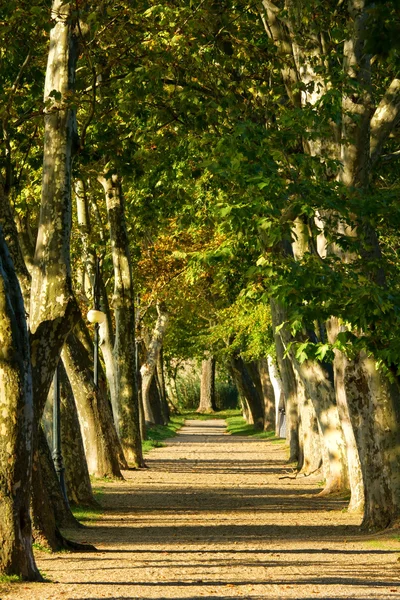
<point x="16" y="422"/>
<point x="207" y="386"/>
<point x="268" y="395"/>
<point x="171" y="389"/>
<point x="154" y="400"/>
<point x="368" y="401"/>
<point x="106" y="332"/>
<point x="320" y="389"/>
<point x="322" y="394"/>
<point x="276" y="382"/>
<point x="83" y="334"/>
<point x="77" y="478"/>
<point x="148" y="367"/>
<point x="54" y="497"/>
<point x="107" y="341"/>
<point x="53" y="308"/>
<point x="311" y="457"/>
<point x="373" y="419"/>
<point x="127" y="414"/>
<point x="248" y="390"/>
<point x="161" y="386"/>
<point x="79" y="489"/>
<point x="99" y="436"/>
<point x="50" y="509"/>
<point x="289" y="384"/>
<point x="353" y="457"/>
<point x="365" y="400"/>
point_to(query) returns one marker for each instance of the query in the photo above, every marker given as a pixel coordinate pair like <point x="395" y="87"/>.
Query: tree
<point x="127" y="411"/>
<point x="16" y="399"/>
<point x="207" y="386"/>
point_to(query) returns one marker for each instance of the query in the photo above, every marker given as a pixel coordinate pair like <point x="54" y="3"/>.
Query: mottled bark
<point x="79" y="489"/>
<point x="52" y="493"/>
<point x="53" y="308"/>
<point x="353" y="457"/>
<point x="170" y="387"/>
<point x="372" y="406"/>
<point x="16" y="428"/>
<point x="106" y="333"/>
<point x="45" y="530"/>
<point x="268" y="395"/>
<point x="289" y="385"/>
<point x="320" y="389"/>
<point x="207" y="386"/>
<point x="77" y="478"/>
<point x="10" y="233"/>
<point x="49" y="507"/>
<point x="107" y="341"/>
<point x="276" y="382"/>
<point x="364" y="399"/>
<point x="161" y="386"/>
<point x="127" y="411"/>
<point x="322" y="394"/>
<point x="84" y="227"/>
<point x="149" y="365"/>
<point x="385" y="117"/>
<point x="82" y="332"/>
<point x="248" y="390"/>
<point x="154" y="402"/>
<point x="245" y="409"/>
<point x="310" y="450"/>
<point x="368" y="402"/>
<point x="95" y="418"/>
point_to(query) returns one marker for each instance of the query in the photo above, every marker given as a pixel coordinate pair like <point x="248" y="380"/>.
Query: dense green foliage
<point x="187" y="103"/>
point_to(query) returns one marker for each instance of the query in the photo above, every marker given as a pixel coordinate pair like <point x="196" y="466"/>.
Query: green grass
<point x="237" y="425"/>
<point x="86" y="513"/>
<point x="41" y="547"/>
<point x="89" y="513"/>
<point x="157" y="434"/>
<point x="221" y="414"/>
<point x="10" y="578"/>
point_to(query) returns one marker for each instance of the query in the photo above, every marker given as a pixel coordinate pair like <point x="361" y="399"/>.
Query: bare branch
<point x="391" y="156"/>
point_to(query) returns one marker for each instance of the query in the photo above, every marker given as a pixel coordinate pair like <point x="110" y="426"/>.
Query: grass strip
<point x="221" y="414"/>
<point x="237" y="425"/>
<point x="157" y="434"/>
<point x="10" y="578"/>
<point x="89" y="513"/>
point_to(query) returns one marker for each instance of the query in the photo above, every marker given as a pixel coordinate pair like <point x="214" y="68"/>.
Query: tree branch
<point x="275" y="30"/>
<point x="391" y="156"/>
<point x="384" y="119"/>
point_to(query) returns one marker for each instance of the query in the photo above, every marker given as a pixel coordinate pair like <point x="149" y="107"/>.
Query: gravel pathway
<point x="211" y="518"/>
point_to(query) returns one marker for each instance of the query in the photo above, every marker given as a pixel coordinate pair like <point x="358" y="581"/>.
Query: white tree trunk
<point x="278" y="388"/>
<point x="148" y="367"/>
<point x="127" y="405"/>
<point x="53" y="308"/>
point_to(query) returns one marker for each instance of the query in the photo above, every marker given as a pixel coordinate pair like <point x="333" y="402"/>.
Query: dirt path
<point x="212" y="519"/>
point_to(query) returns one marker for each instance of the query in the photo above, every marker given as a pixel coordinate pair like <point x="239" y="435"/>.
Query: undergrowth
<point x="221" y="414"/>
<point x="89" y="513"/>
<point x="41" y="547"/>
<point x="10" y="578"/>
<point x="236" y="425"/>
<point x="157" y="434"/>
